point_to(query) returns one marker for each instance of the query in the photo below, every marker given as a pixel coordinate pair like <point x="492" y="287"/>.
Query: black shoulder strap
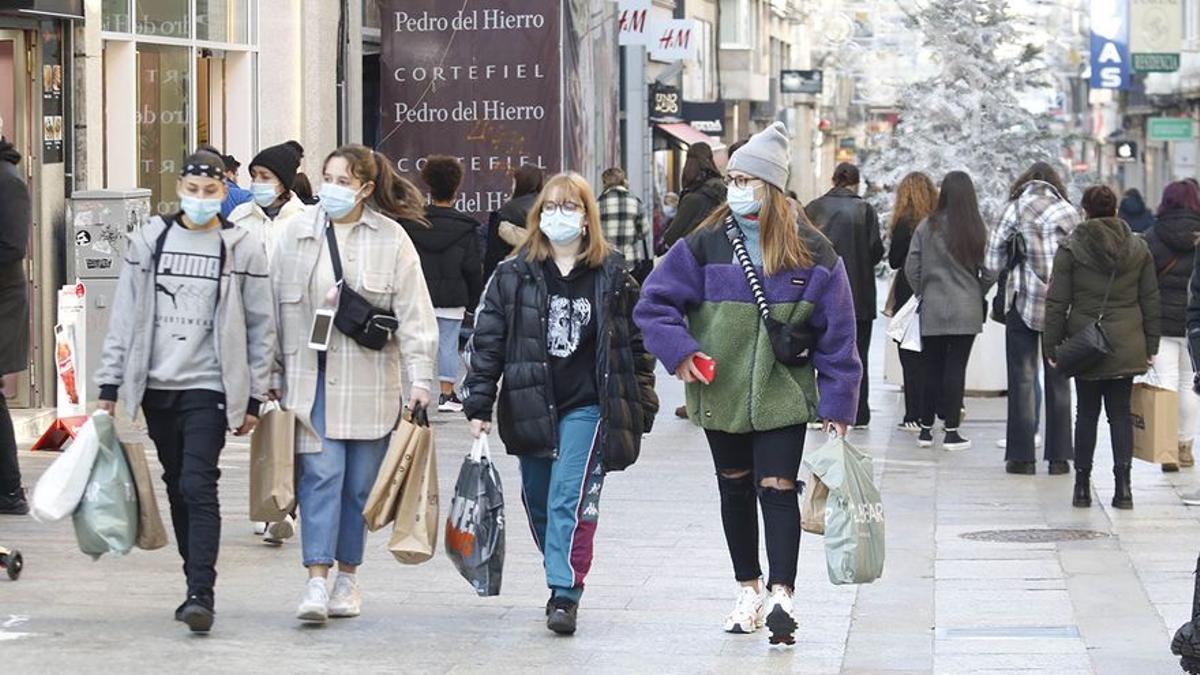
<point x="734" y="233"/>
<point x="168" y="222"/>
<point x="334" y="256"/>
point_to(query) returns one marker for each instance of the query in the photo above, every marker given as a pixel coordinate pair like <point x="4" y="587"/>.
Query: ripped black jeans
<point x="760" y="468"/>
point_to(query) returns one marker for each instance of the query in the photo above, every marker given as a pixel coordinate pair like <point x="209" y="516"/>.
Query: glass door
<point x="15" y="115"/>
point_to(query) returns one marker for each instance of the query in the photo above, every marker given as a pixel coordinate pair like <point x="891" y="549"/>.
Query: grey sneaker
<point x="1191" y="498"/>
<point x="346" y="599"/>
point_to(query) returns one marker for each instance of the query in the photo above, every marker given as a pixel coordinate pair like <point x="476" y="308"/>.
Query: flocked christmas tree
<point x="967" y="115"/>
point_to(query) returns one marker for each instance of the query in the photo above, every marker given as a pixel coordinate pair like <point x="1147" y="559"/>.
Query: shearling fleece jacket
<point x="698" y="300"/>
<point x="1100" y="249"/>
<point x="244" y="324"/>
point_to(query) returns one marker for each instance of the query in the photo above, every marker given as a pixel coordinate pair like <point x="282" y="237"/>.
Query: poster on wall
<point x="483" y="84"/>
<point x="52" y="94"/>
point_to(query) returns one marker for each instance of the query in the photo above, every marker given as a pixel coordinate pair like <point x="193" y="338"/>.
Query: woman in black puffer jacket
<point x="578" y="386"/>
<point x="1172" y="240"/>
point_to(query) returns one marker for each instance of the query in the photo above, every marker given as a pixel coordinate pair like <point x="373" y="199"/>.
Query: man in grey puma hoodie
<point x="191" y="341"/>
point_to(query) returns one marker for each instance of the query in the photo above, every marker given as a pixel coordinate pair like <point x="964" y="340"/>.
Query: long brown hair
<point x="537" y="247"/>
<point x="369" y="166"/>
<point x="1038" y="171"/>
<point x="782" y="246"/>
<point x="410" y="201"/>
<point x="916" y="198"/>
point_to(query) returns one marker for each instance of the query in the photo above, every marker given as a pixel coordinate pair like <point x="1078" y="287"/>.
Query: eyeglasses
<point x="741" y="182"/>
<point x="569" y="208"/>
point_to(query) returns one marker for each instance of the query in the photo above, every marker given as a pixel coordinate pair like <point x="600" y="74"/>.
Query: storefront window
<point x="162" y="121"/>
<point x="115" y="16"/>
<point x="165" y="18"/>
<point x="223" y="21"/>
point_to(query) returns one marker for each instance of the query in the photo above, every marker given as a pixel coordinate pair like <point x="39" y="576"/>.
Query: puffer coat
<point x="1100" y="249"/>
<point x="510" y="364"/>
<point x="1172" y="241"/>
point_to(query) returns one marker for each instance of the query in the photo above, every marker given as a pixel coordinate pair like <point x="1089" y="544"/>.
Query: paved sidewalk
<point x="661" y="582"/>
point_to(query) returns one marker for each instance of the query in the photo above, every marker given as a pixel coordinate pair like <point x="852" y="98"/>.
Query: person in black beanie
<point x="15" y="217"/>
<point x="273" y="171"/>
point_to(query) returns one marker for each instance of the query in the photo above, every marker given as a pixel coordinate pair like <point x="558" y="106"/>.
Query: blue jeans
<point x="332" y="489"/>
<point x="562" y="499"/>
<point x="448" y="360"/>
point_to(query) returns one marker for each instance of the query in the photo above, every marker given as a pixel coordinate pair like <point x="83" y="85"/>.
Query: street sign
<point x="665" y="104"/>
<point x="706" y="117"/>
<point x="1126" y="151"/>
<point x="632" y="22"/>
<point x="1170" y="129"/>
<point x="1155" y="63"/>
<point x="800" y="81"/>
<point x="1110" y="44"/>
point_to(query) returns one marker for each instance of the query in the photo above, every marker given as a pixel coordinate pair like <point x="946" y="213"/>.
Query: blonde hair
<point x="595" y="249"/>
<point x="916" y="198"/>
<point x="779" y="232"/>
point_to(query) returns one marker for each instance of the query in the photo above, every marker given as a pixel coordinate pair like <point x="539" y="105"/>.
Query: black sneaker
<point x="562" y="616"/>
<point x="1059" y="467"/>
<point x="955" y="441"/>
<point x="449" y="403"/>
<point x="925" y="438"/>
<point x="198" y="614"/>
<point x="14" y="503"/>
<point x="179" y="610"/>
<point x="1021" y="468"/>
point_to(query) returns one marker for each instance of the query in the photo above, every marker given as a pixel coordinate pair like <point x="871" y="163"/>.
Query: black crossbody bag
<point x="356" y="317"/>
<point x="791" y="343"/>
<point x="1086" y="348"/>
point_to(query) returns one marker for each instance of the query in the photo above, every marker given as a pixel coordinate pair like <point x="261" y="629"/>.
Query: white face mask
<point x="561" y="228"/>
<point x="742" y="200"/>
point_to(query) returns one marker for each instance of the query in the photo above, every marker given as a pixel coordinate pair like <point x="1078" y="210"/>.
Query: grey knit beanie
<point x="766" y="155"/>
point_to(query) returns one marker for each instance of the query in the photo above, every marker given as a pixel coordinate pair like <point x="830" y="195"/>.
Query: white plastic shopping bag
<point x="60" y="488"/>
<point x="905" y="326"/>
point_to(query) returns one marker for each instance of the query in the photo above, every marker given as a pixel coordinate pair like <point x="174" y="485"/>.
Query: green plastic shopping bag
<point x="854" y="535"/>
<point x="106" y="520"/>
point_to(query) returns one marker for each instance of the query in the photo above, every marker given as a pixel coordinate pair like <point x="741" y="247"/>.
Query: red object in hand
<point x="707" y="368"/>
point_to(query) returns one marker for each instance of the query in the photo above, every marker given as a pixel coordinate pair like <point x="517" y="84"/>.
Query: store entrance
<point x="15" y="115"/>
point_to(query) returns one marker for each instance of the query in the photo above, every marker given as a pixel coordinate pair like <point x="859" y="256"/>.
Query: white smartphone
<point x="322" y="330"/>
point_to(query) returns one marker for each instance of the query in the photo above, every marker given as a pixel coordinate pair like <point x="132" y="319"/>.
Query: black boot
<point x="1123" y="492"/>
<point x="1083" y="489"/>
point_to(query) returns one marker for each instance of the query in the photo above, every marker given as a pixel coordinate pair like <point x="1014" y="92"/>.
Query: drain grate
<point x="1034" y="536"/>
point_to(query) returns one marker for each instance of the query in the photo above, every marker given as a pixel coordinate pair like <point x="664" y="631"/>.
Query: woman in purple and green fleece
<point x="698" y="302"/>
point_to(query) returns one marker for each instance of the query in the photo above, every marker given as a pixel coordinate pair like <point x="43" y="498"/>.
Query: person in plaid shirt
<point x="1038" y="218"/>
<point x="621" y="216"/>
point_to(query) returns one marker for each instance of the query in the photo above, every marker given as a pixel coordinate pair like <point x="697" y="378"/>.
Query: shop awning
<point x="686" y="134"/>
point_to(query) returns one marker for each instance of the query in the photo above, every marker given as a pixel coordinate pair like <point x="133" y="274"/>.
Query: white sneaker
<point x="281" y="531"/>
<point x="1191" y="498"/>
<point x="315" y="605"/>
<point x="1003" y="442"/>
<point x="260" y="528"/>
<point x="747" y="615"/>
<point x="781" y="620"/>
<point x="346" y="600"/>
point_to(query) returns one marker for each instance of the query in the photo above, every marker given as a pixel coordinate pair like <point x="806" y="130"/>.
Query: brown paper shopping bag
<point x="1155" y="424"/>
<point x="273" y="465"/>
<point x="380" y="507"/>
<point x="812" y="511"/>
<point x="415" y="532"/>
<point x="150" y="534"/>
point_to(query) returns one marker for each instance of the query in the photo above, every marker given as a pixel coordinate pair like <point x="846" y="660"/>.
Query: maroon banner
<point x="479" y="80"/>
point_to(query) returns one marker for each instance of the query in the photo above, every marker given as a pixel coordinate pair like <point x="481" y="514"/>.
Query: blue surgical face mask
<point x="742" y="200"/>
<point x="338" y="200"/>
<point x="199" y="211"/>
<point x="264" y="194"/>
<point x="669" y="211"/>
<point x="561" y="228"/>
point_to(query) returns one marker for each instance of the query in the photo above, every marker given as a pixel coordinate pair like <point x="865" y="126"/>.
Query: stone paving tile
<point x="661" y="582"/>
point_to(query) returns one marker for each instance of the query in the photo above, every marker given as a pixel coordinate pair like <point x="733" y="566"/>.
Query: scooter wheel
<point x="15" y="564"/>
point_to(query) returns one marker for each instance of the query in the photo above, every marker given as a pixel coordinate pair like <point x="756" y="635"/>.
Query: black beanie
<point x="282" y="160"/>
